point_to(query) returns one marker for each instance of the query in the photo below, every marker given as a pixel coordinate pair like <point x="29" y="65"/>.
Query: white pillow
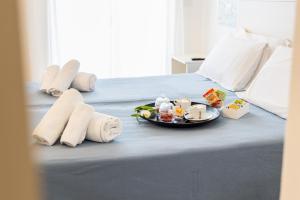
<point x="270" y="89"/>
<point x="233" y="62"/>
<point x="272" y="44"/>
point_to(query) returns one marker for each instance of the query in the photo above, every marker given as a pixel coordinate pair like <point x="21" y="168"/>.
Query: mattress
<point x="226" y="159"/>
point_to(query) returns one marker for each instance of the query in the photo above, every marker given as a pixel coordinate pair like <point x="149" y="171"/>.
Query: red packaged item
<point x="212" y="98"/>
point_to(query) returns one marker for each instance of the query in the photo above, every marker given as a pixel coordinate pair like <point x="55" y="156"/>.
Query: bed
<point x="226" y="159"/>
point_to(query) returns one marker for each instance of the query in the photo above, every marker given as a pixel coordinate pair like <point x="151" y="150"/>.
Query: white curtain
<point x="116" y="38"/>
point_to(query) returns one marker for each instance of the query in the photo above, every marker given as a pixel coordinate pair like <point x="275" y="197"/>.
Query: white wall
<point x="202" y="30"/>
<point x="33" y="18"/>
<point x="192" y="13"/>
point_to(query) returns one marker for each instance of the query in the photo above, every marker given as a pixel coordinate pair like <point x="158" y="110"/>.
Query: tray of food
<point x="180" y="113"/>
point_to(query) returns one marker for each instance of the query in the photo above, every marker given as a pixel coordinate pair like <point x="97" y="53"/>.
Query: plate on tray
<point x="207" y="116"/>
<point x="212" y="113"/>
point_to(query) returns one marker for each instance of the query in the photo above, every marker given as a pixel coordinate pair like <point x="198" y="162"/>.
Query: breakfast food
<point x="166" y="112"/>
<point x="215" y="97"/>
<point x="184" y="103"/>
<point x="197" y="111"/>
<point x="179" y="112"/>
<point x="221" y="94"/>
<point x="236" y="110"/>
<point x="160" y="100"/>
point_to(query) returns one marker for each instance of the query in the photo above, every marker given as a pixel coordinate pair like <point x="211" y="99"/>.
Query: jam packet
<point x="215" y="97"/>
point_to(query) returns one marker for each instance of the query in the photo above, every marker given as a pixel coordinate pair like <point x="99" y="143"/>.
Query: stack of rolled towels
<point x="55" y="80"/>
<point x="73" y="121"/>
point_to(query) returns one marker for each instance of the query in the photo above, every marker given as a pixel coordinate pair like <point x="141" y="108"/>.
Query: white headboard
<point x="268" y="17"/>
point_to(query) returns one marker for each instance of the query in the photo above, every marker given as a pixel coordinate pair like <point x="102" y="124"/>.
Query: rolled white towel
<point x="84" y="82"/>
<point x="64" y="78"/>
<point x="103" y="128"/>
<point x="54" y="121"/>
<point x="76" y="128"/>
<point x="48" y="77"/>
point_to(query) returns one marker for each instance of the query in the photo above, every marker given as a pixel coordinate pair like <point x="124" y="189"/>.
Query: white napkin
<point x="64" y="78"/>
<point x="84" y="82"/>
<point x="76" y="128"/>
<point x="48" y="77"/>
<point x="54" y="121"/>
<point x="103" y="128"/>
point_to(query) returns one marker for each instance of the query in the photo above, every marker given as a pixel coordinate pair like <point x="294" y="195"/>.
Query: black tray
<point x="184" y="123"/>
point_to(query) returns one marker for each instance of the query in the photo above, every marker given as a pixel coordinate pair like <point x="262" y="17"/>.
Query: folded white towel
<point x="54" y="121"/>
<point x="76" y="128"/>
<point x="84" y="82"/>
<point x="103" y="128"/>
<point x="64" y="78"/>
<point x="48" y="77"/>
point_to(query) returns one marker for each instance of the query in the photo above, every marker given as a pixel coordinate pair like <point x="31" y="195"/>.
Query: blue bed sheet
<point x="227" y="159"/>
